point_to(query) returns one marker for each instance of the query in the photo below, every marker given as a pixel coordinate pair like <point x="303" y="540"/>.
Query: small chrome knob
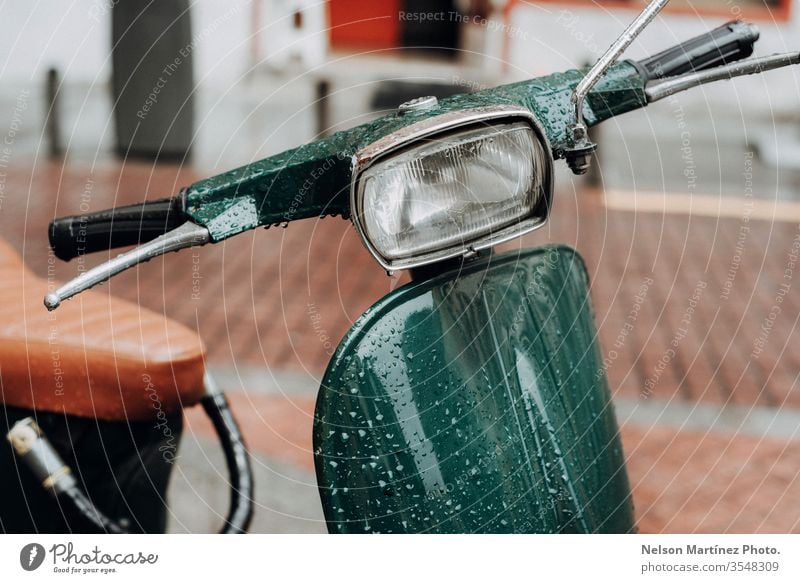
<point x="418" y="104"/>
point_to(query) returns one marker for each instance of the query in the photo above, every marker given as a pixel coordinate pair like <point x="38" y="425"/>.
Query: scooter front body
<point x="474" y="401"/>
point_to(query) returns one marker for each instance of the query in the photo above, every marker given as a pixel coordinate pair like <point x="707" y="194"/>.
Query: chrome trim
<point x="611" y="56"/>
<point x="673" y="85"/>
<point x="578" y="148"/>
<point x="188" y="234"/>
<point x="433" y="126"/>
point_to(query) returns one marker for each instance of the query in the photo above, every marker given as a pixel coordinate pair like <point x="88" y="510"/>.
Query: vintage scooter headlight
<point x="452" y="185"/>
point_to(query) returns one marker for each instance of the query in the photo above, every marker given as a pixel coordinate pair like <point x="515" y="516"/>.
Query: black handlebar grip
<point x="77" y="235"/>
<point x="729" y="43"/>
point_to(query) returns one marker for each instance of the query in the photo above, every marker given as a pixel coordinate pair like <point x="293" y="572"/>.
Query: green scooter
<point x="473" y="399"/>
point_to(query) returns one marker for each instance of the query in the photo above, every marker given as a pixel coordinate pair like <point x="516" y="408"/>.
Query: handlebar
<point x="134" y="224"/>
<point x="726" y="44"/>
<point x="313" y="180"/>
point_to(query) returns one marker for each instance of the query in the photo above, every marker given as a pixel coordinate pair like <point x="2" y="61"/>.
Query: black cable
<point x="237" y="459"/>
<point x="93" y="521"/>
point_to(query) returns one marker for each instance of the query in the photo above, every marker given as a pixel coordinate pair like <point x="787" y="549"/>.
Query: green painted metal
<point x="314" y="180"/>
<point x="474" y="402"/>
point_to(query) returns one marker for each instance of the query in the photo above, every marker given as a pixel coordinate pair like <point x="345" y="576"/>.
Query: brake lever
<point x="664" y="88"/>
<point x="188" y="234"/>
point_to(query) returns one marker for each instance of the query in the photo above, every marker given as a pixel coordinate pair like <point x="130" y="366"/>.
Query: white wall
<point x="37" y="35"/>
<point x="75" y="36"/>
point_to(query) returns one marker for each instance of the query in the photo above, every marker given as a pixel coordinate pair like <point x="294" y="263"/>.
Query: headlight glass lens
<point x="451" y="190"/>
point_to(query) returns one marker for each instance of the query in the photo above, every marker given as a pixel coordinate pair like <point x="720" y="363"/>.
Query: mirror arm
<point x="579" y="149"/>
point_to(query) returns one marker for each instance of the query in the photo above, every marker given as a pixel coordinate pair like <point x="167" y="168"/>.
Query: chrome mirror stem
<point x="579" y="148"/>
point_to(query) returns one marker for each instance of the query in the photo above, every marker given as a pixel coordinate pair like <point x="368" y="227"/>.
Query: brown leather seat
<point x="95" y="356"/>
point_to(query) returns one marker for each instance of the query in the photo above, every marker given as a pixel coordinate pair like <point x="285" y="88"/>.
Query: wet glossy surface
<point x="475" y="404"/>
<point x="314" y="180"/>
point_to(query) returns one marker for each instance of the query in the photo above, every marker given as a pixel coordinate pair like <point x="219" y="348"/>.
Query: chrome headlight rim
<point x="443" y="124"/>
